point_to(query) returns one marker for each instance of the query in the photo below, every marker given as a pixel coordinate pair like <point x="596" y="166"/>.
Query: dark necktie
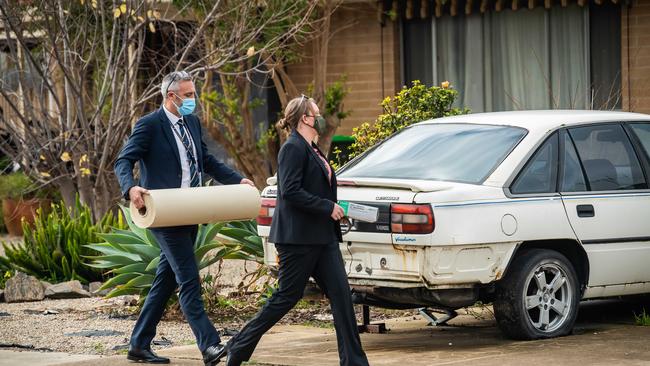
<point x="195" y="180"/>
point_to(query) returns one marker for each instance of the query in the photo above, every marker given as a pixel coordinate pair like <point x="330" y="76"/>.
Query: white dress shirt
<point x="185" y="164"/>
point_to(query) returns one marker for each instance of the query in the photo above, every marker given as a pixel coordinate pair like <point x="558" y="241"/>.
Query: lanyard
<point x="189" y="137"/>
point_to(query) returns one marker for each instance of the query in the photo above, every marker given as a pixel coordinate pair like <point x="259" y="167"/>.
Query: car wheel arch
<point x="570" y="248"/>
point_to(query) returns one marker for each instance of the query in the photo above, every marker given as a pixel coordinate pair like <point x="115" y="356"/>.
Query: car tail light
<point x="411" y="218"/>
<point x="266" y="212"/>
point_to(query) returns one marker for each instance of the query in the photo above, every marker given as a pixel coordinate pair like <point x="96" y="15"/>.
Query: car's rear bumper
<point x="374" y="268"/>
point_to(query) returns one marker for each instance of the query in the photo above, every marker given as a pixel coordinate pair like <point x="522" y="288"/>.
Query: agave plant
<point x="133" y="255"/>
<point x="54" y="248"/>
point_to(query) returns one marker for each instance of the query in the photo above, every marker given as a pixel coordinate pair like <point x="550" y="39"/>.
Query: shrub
<point x="15" y="185"/>
<point x="642" y="319"/>
<point x="408" y="106"/>
<point x="20" y="186"/>
<point x="133" y="255"/>
<point x="54" y="248"/>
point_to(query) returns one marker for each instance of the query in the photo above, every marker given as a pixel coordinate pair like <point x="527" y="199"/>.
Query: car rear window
<point x="466" y="153"/>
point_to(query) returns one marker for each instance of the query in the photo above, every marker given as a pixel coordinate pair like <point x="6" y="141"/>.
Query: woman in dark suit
<point x="306" y="233"/>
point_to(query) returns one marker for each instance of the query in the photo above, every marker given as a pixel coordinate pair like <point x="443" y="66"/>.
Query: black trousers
<point x="177" y="266"/>
<point x="297" y="263"/>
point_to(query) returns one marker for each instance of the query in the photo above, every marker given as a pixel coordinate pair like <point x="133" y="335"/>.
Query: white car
<point x="530" y="210"/>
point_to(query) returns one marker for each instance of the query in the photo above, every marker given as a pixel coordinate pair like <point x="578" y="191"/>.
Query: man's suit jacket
<point x="152" y="143"/>
<point x="305" y="198"/>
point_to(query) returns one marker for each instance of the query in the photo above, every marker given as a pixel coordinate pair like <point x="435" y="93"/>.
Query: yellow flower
<point x="94" y="4"/>
<point x="251" y="51"/>
<point x="123" y="8"/>
<point x="66" y="156"/>
<point x="84" y="172"/>
<point x="117" y="12"/>
<point x="42" y="157"/>
<point x="45" y="174"/>
<point x="84" y="159"/>
<point x="445" y="84"/>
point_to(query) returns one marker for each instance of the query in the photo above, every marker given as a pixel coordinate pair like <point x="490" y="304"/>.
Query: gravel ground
<point x="30" y="325"/>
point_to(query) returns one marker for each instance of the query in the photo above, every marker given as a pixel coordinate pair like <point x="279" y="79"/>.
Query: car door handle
<point x="586" y="211"/>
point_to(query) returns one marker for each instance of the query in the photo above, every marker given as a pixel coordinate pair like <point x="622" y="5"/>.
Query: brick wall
<point x="636" y="56"/>
<point x="355" y="51"/>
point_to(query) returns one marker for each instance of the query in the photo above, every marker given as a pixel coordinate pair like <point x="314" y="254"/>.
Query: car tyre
<point x="538" y="297"/>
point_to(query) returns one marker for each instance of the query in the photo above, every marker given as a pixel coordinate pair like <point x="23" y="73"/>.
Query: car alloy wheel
<point x="538" y="297"/>
<point x="548" y="297"/>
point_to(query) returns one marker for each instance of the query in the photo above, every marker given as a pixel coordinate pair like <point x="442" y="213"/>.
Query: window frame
<point x="588" y="50"/>
<point x="556" y="135"/>
<point x="639" y="150"/>
<point x="562" y="146"/>
<point x="644" y="162"/>
<point x="634" y="150"/>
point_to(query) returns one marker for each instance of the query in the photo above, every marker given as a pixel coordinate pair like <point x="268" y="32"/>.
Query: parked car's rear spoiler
<point x="412" y="185"/>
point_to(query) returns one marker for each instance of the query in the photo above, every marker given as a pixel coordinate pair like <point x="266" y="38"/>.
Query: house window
<point x="558" y="58"/>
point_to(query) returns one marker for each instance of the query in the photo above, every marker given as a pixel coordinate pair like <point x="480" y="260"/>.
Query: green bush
<point x="133" y="255"/>
<point x="20" y="186"/>
<point x="15" y="185"/>
<point x="54" y="248"/>
<point x="409" y="106"/>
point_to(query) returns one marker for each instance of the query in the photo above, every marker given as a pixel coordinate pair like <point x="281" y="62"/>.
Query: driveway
<point x="604" y="335"/>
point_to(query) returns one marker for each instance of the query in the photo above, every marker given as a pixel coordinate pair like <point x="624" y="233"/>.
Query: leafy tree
<point x="83" y="71"/>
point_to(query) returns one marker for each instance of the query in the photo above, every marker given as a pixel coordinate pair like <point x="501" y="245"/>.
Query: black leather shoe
<point x="145" y="356"/>
<point x="214" y="354"/>
<point x="233" y="361"/>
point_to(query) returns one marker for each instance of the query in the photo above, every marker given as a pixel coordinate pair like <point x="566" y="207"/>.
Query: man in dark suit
<point x="306" y="233"/>
<point x="169" y="147"/>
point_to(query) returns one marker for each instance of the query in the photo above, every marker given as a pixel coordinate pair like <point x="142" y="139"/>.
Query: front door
<point x="603" y="183"/>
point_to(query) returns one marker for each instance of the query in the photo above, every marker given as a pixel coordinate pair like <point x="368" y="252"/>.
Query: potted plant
<point x="20" y="200"/>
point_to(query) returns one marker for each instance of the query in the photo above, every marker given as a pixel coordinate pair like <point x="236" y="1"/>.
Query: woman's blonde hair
<point x="296" y="108"/>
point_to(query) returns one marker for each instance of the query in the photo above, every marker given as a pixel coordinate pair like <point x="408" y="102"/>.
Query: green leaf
<point x="209" y="233"/>
<point x="118" y="280"/>
<point x="152" y="239"/>
<point x="131" y="268"/>
<point x="111" y="251"/>
<point x="121" y="239"/>
<point x="146" y="252"/>
<point x="140" y="281"/>
<point x="202" y="251"/>
<point x="102" y="264"/>
<point x="120" y="291"/>
<point x="117" y="259"/>
<point x="134" y="228"/>
<point x="153" y="265"/>
<point x="235" y="233"/>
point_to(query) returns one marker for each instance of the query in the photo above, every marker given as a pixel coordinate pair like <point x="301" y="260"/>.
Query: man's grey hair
<point x="171" y="80"/>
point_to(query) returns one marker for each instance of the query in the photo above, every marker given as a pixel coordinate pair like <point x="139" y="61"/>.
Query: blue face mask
<point x="187" y="107"/>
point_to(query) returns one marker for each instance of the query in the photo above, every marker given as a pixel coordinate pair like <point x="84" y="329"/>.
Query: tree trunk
<point x="68" y="190"/>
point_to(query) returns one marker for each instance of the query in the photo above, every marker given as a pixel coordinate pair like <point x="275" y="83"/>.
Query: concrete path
<point x="18" y="358"/>
<point x="604" y="335"/>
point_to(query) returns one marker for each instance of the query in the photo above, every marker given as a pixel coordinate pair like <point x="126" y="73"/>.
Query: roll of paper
<point x="199" y="205"/>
